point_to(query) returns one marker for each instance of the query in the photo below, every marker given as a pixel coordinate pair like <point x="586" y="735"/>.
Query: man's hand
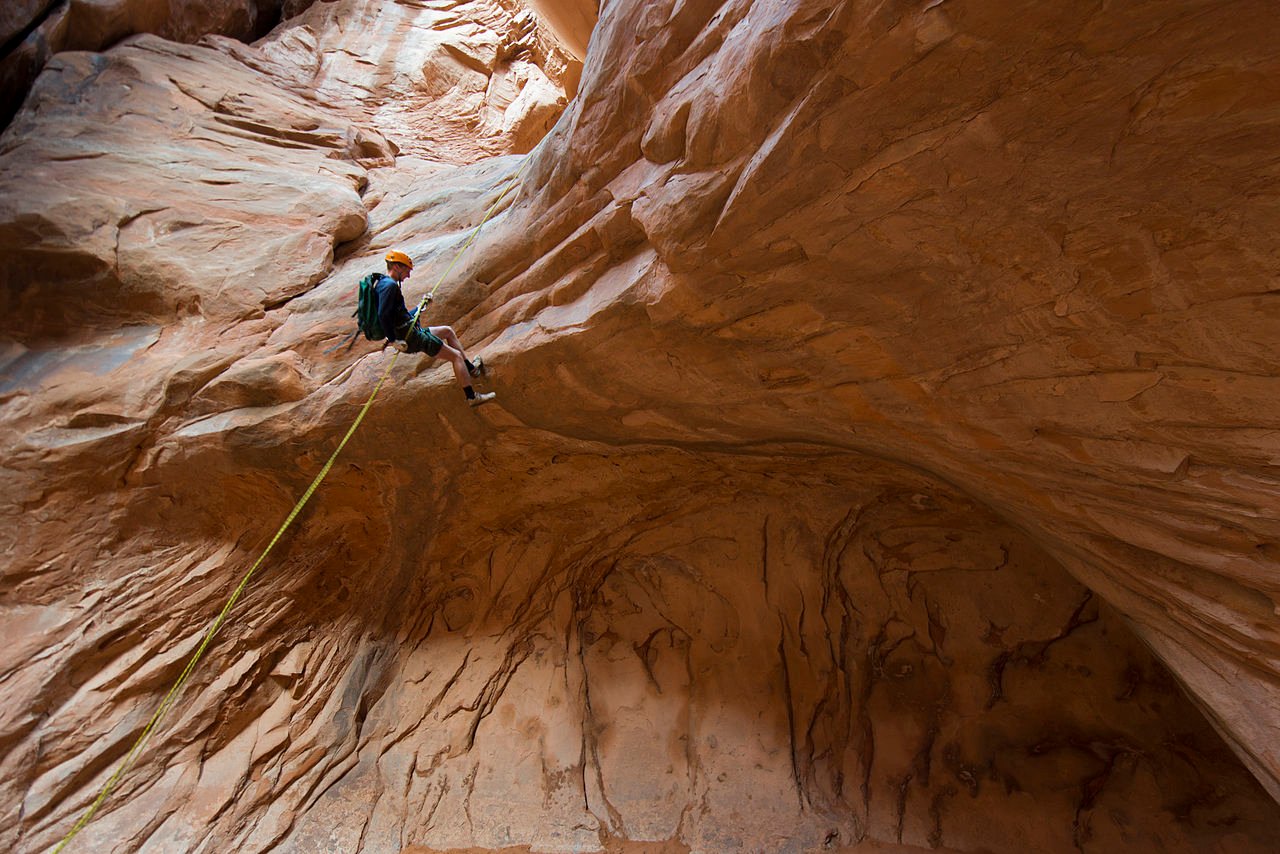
<point x="426" y="300"/>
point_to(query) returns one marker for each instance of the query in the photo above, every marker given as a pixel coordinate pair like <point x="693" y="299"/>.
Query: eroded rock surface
<point x="31" y="31"/>
<point x="448" y="81"/>
<point x="884" y="455"/>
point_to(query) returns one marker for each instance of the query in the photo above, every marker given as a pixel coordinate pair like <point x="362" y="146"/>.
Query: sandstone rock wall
<point x="883" y="453"/>
<point x="31" y="31"/>
<point x="982" y="253"/>
<point x="450" y="82"/>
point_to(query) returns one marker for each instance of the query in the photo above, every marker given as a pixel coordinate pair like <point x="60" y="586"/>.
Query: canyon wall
<point x="884" y="452"/>
<point x="32" y="31"/>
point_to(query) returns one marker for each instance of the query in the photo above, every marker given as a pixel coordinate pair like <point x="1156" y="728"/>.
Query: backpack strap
<point x="350" y="342"/>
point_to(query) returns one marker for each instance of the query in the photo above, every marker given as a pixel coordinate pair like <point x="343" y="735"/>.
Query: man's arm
<point x="391" y="311"/>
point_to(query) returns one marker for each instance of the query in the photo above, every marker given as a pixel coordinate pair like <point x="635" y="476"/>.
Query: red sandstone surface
<point x="885" y="455"/>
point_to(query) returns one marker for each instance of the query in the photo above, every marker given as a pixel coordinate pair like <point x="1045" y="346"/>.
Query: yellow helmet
<point x="395" y="256"/>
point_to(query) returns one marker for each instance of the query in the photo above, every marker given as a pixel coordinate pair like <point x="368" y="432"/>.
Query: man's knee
<point x="421" y="340"/>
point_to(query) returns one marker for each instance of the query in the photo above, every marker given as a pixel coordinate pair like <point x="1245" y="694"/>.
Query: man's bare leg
<point x="461" y="374"/>
<point x="449" y="337"/>
<point x="455" y="358"/>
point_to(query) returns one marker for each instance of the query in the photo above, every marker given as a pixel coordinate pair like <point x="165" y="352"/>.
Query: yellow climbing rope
<point x="217" y="624"/>
<point x="515" y="181"/>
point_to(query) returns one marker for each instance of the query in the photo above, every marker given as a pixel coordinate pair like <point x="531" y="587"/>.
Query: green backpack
<point x="366" y="313"/>
<point x="367" y="308"/>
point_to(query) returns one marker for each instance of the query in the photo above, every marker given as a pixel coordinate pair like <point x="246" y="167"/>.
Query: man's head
<point x="399" y="265"/>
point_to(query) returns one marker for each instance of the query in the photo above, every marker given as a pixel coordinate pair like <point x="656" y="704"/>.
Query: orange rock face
<point x="31" y="31"/>
<point x="883" y="459"/>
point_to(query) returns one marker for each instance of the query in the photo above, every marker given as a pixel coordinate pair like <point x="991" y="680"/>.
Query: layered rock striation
<point x="31" y="31"/>
<point x="884" y="452"/>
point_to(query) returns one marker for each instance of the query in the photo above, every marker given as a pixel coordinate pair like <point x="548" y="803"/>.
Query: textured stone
<point x="253" y="231"/>
<point x="31" y="31"/>
<point x="883" y="458"/>
<point x="446" y="81"/>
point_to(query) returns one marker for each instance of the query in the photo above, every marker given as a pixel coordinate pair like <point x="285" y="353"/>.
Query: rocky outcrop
<point x="882" y="454"/>
<point x="31" y="31"/>
<point x="457" y="82"/>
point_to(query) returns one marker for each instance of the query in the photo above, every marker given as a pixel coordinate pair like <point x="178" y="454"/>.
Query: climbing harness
<point x="217" y="624"/>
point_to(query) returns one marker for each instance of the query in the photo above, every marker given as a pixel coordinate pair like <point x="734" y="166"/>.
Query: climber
<point x="401" y="328"/>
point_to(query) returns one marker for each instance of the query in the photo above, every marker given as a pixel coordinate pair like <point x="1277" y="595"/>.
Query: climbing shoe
<point x="482" y="398"/>
<point x="477" y="367"/>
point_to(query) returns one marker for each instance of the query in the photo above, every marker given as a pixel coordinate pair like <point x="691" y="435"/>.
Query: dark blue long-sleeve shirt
<point x="393" y="316"/>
